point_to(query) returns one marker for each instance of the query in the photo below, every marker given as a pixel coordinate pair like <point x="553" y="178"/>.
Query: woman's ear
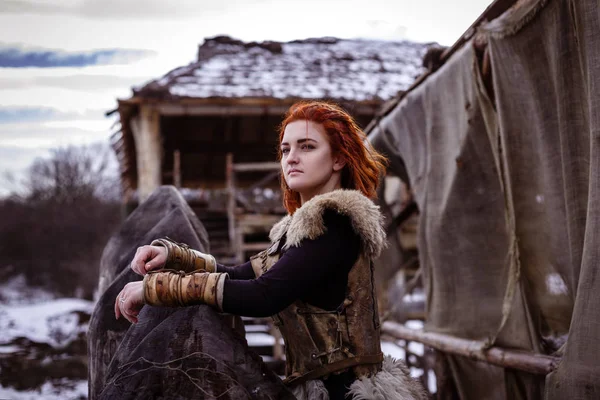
<point x="338" y="163"/>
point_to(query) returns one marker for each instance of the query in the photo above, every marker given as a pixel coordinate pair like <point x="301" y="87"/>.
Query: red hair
<point x="364" y="165"/>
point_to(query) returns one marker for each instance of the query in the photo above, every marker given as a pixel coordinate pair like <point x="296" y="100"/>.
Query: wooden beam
<point x="516" y="359"/>
<point x="148" y="150"/>
<point x="263" y="102"/>
<point x="177" y="168"/>
<point x="170" y="109"/>
<point x="229" y="175"/>
<point x="203" y="147"/>
<point x="178" y="109"/>
<point x="257" y="166"/>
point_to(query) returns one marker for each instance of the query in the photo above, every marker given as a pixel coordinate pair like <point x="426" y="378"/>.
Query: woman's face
<point x="308" y="165"/>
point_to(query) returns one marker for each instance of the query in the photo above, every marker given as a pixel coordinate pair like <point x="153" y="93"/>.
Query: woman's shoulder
<point x="310" y="221"/>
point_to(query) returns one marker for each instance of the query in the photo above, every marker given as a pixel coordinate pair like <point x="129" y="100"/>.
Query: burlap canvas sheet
<point x="508" y="191"/>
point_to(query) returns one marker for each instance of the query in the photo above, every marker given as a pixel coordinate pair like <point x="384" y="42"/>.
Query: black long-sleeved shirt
<point x="315" y="272"/>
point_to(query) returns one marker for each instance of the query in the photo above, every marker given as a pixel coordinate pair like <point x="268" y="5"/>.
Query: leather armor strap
<point x="176" y="288"/>
<point x="333" y="367"/>
<point x="181" y="257"/>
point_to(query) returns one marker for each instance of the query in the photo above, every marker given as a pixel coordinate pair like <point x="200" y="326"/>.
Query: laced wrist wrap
<point x="181" y="257"/>
<point x="177" y="288"/>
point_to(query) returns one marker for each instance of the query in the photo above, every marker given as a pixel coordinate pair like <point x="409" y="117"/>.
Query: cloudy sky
<point x="63" y="63"/>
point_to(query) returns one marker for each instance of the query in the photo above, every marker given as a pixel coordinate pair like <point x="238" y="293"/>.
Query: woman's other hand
<point x="130" y="301"/>
<point x="148" y="258"/>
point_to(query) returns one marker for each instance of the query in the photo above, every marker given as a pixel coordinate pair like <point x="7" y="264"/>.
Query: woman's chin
<point x="296" y="188"/>
<point x="295" y="185"/>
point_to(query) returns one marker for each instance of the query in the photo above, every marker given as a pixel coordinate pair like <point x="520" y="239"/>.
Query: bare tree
<point x="70" y="174"/>
<point x="55" y="226"/>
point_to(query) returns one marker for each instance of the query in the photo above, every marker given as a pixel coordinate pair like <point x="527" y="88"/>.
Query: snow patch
<point x="357" y="69"/>
<point x="37" y="315"/>
<point x="55" y="322"/>
<point x="15" y="291"/>
<point x="64" y="390"/>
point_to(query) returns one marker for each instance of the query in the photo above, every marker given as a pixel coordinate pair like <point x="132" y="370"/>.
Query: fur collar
<point x="307" y="221"/>
<point x="393" y="382"/>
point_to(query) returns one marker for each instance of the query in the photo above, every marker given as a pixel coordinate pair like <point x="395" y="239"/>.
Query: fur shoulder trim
<point x="307" y="221"/>
<point x="280" y="228"/>
<point x="393" y="382"/>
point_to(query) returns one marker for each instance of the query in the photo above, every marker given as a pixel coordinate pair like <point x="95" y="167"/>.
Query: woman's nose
<point x="292" y="157"/>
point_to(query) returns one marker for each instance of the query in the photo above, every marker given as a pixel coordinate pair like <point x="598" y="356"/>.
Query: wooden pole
<point x="229" y="174"/>
<point x="257" y="166"/>
<point x="521" y="360"/>
<point x="177" y="168"/>
<point x="146" y="134"/>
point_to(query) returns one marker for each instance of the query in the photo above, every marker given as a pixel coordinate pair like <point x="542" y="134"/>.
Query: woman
<point x="315" y="280"/>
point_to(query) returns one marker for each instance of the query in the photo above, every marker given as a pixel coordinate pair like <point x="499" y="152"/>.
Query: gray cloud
<point x="80" y="82"/>
<point x="118" y="9"/>
<point x="11" y="115"/>
<point x="14" y="56"/>
<point x="36" y="135"/>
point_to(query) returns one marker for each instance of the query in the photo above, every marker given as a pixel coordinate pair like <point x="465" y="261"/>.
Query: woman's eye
<point x="285" y="151"/>
<point x="307" y="147"/>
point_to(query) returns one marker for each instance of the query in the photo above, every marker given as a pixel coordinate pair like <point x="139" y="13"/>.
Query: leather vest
<point x="319" y="342"/>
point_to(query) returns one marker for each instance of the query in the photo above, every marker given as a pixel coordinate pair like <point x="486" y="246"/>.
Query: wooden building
<point x="210" y="127"/>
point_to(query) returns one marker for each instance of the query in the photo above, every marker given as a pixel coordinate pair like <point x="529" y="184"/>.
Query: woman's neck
<point x="328" y="187"/>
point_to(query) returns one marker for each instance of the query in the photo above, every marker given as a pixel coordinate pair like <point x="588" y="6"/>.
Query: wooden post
<point x="231" y="223"/>
<point x="257" y="166"/>
<point x="278" y="351"/>
<point x="522" y="360"/>
<point x="146" y="134"/>
<point x="177" y="168"/>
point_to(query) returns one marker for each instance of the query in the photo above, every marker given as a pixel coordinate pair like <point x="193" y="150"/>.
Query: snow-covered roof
<point x="337" y="69"/>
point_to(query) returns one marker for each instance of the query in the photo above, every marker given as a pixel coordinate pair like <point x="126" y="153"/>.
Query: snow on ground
<point x="16" y="291"/>
<point x="40" y="317"/>
<point x="34" y="314"/>
<point x="260" y="339"/>
<point x="53" y="322"/>
<point x="75" y="391"/>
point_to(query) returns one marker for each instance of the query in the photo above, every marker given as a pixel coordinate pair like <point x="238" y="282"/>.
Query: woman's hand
<point x="148" y="258"/>
<point x="130" y="301"/>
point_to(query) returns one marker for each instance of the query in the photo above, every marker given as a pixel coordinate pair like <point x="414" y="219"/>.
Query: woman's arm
<point x="242" y="272"/>
<point x="165" y="253"/>
<point x="316" y="272"/>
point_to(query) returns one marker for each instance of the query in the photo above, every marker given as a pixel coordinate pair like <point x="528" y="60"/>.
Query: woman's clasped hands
<point x="130" y="299"/>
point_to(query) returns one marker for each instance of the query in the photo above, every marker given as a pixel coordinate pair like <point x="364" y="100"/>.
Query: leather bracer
<point x="181" y="257"/>
<point x="176" y="289"/>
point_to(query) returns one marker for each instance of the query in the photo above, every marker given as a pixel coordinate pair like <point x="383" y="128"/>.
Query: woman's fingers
<point x="120" y="305"/>
<point x="117" y="311"/>
<point x="158" y="258"/>
<point x="129" y="301"/>
<point x="137" y="264"/>
<point x="148" y="258"/>
<point x="130" y="318"/>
